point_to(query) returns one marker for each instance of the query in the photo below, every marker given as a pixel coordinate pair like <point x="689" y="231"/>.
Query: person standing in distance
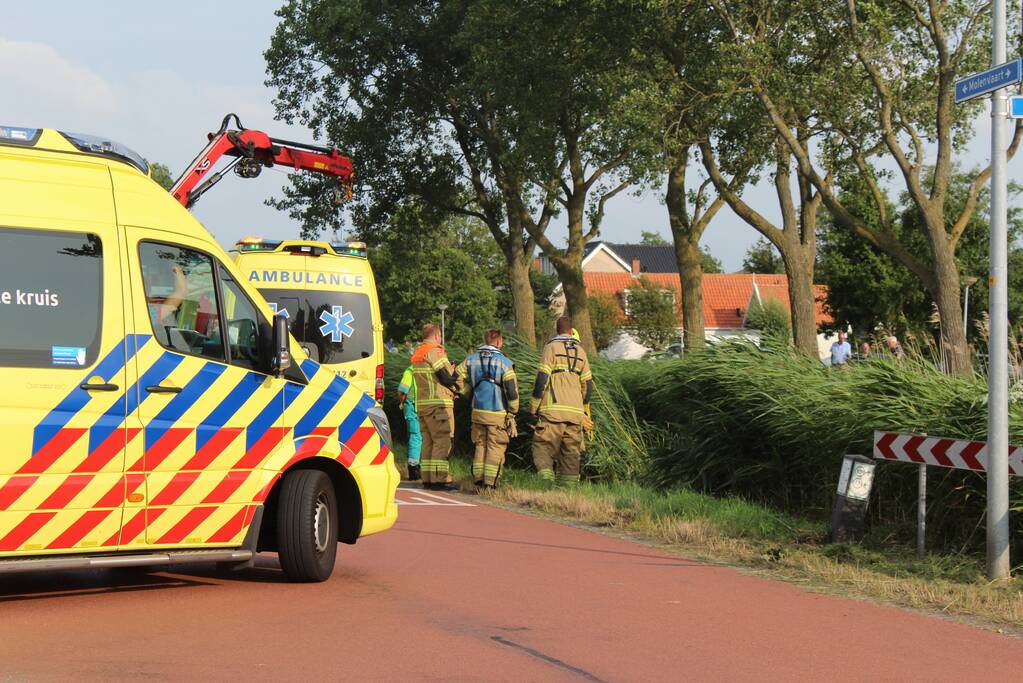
<point x="841" y="351"/>
<point x="436" y="388"/>
<point x="490" y="376"/>
<point x="895" y="348"/>
<point x="561" y="399"/>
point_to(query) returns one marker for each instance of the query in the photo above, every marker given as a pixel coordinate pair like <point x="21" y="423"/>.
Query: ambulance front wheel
<point x="307" y="526"/>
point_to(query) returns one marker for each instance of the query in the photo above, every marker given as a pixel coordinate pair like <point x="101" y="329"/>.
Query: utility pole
<point x="998" y="341"/>
<point x="968" y="282"/>
<point x="444" y="307"/>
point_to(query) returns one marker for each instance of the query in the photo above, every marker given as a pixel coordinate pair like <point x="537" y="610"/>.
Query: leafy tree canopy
<point x="710" y="263"/>
<point x="762" y="257"/>
<point x="654" y="321"/>
<point x="421" y="264"/>
<point x="543" y="295"/>
<point x="772" y="318"/>
<point x="870" y="290"/>
<point x="161" y="174"/>
<point x="652" y="239"/>
<point x="605" y="317"/>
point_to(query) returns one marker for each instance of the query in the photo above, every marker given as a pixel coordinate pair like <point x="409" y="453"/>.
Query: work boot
<point x="414" y="473"/>
<point x="477" y="486"/>
<point x="449" y="486"/>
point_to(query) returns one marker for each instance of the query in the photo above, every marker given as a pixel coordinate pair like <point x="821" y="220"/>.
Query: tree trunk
<point x="687" y="253"/>
<point x="570" y="269"/>
<point x="954" y="349"/>
<point x="802" y="300"/>
<point x="521" y="293"/>
<point x="690" y="271"/>
<point x="575" y="302"/>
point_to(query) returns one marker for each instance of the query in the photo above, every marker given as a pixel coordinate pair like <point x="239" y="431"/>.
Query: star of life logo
<point x="337" y="324"/>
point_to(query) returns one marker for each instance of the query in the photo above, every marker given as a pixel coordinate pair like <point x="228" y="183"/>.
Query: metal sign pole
<point x="921" y="512"/>
<point x="998" y="341"/>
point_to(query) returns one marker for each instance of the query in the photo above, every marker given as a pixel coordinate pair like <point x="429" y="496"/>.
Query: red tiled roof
<point x="725" y="295"/>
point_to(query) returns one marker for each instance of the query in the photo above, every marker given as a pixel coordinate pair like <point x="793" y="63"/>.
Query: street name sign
<point x="988" y="81"/>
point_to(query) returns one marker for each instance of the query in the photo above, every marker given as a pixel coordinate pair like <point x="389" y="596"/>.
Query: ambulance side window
<point x="182" y="299"/>
<point x="51" y="298"/>
<point x="242" y="323"/>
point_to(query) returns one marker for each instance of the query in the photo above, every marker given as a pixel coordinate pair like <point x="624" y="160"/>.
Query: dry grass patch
<point x="999" y="603"/>
<point x="583" y="508"/>
<point x="683" y="531"/>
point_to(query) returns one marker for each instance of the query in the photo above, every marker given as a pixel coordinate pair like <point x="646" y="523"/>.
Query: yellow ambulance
<point x="328" y="294"/>
<point x="153" y="411"/>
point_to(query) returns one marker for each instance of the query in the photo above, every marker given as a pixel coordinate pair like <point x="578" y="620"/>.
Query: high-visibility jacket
<point x="564" y="382"/>
<point x="490" y="376"/>
<point x="407" y="387"/>
<point x="434" y="377"/>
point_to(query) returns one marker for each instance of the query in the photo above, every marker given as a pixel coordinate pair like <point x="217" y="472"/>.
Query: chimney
<point x="635" y="266"/>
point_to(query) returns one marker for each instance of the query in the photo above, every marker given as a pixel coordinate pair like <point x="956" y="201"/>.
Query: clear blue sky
<point x="158" y="77"/>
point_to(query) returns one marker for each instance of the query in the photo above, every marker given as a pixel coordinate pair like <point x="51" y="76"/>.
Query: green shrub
<point x="771" y="317"/>
<point x="605" y="318"/>
<point x="654" y="319"/>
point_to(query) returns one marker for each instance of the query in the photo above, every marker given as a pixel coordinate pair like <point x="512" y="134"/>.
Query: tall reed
<point x="773" y="427"/>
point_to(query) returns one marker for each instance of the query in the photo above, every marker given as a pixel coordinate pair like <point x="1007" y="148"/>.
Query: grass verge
<point x="738" y="533"/>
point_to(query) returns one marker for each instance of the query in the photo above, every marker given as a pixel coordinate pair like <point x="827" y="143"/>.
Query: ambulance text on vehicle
<point x="329" y="296"/>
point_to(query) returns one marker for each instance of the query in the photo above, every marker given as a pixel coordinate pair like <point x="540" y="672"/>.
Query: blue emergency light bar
<point x="19" y="136"/>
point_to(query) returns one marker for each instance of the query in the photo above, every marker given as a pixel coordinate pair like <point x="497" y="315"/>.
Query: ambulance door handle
<point x="160" y="389"/>
<point x="89" y="386"/>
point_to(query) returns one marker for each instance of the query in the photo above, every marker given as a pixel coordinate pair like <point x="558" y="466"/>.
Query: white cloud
<point x="43" y="88"/>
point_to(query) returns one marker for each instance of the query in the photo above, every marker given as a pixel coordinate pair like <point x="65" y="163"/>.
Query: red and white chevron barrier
<point x="941" y="452"/>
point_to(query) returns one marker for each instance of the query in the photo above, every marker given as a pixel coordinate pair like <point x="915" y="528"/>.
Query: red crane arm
<point x="255" y="149"/>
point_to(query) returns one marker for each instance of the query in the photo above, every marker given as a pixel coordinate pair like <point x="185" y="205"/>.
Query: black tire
<point x="305" y="548"/>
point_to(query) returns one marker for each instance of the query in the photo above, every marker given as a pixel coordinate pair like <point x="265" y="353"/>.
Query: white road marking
<point x="424" y="498"/>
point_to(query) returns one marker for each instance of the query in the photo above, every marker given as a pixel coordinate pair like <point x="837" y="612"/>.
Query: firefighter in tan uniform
<point x="436" y="388"/>
<point x="561" y="401"/>
<point x="490" y="376"/>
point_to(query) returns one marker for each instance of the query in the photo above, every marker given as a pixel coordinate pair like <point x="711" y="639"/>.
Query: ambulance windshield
<point x="338" y="324"/>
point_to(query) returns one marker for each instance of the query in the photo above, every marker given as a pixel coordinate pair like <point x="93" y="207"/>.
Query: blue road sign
<point x="988" y="81"/>
<point x="1016" y="106"/>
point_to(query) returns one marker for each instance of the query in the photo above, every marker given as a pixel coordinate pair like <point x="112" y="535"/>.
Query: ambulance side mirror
<point x="281" y="359"/>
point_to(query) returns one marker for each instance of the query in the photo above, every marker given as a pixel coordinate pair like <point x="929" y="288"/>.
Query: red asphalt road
<point x="459" y="593"/>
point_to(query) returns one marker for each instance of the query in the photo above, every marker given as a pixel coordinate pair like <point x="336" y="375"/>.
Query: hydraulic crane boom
<point x="252" y="150"/>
